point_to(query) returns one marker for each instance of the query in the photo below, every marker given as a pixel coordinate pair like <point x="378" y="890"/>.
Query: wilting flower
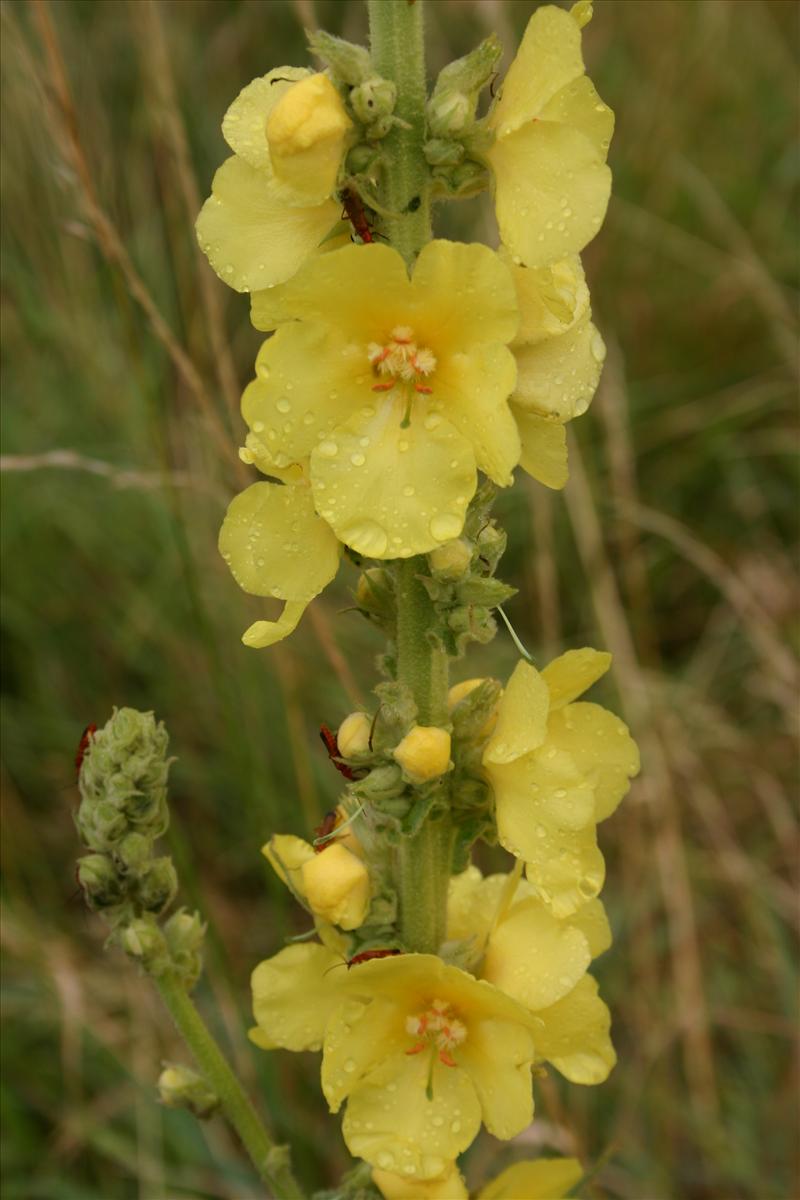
<point x="559" y="355"/>
<point x="276" y="545"/>
<point x="557" y="768"/>
<point x="395" y="388"/>
<point x="552" y="133"/>
<point x="332" y="881"/>
<point x="271" y="202"/>
<point x="421" y="1051"/>
<point x="447" y="1186"/>
<point x="519" y="946"/>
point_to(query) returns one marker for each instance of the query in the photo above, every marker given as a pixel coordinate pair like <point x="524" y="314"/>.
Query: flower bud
<point x="307" y="131"/>
<point x="157" y="885"/>
<point x="100" y="882"/>
<point x="441" y="152"/>
<point x="451" y="560"/>
<point x="184" y="933"/>
<point x="143" y="940"/>
<point x="353" y="735"/>
<point x="424" y="753"/>
<point x="336" y="885"/>
<point x="101" y="825"/>
<point x="373" y="99"/>
<point x="362" y="158"/>
<point x="181" y="1087"/>
<point x="349" y="62"/>
<point x="382" y="783"/>
<point x="581" y="12"/>
<point x="449" y="114"/>
<point x="133" y="852"/>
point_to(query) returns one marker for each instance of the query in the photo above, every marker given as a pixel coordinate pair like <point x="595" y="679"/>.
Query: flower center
<point x="439" y="1028"/>
<point x="401" y="361"/>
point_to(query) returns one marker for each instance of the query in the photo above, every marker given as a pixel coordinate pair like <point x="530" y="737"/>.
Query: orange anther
<point x="416" y="1049"/>
<point x="383" y="387"/>
<point x="445" y="1058"/>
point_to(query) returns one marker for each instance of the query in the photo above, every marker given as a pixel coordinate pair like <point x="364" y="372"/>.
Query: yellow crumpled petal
<point x="559" y="377"/>
<point x="544" y="1179"/>
<point x="551" y="299"/>
<point x="521" y="716"/>
<point x="565" y="866"/>
<point x="337" y="886"/>
<point x="573" y="673"/>
<point x="275" y="544"/>
<point x="576" y="1037"/>
<point x="244" y="125"/>
<point x="308" y="131"/>
<point x="447" y="1186"/>
<point x="262" y="634"/>
<point x="543" y="442"/>
<point x="286" y="854"/>
<point x="390" y="492"/>
<point x="289" y="1003"/>
<point x="392" y="1124"/>
<point x="599" y="743"/>
<point x="250" y="235"/>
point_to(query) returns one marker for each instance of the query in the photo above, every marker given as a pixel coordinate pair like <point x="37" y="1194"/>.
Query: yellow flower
<point x="276" y="545"/>
<point x="421" y="1051"/>
<point x="447" y="1186"/>
<point x="541" y="960"/>
<point x="544" y="1179"/>
<point x="559" y="355"/>
<point x="270" y="205"/>
<point x="556" y="769"/>
<point x="424" y="753"/>
<point x="332" y="882"/>
<point x="396" y="388"/>
<point x="552" y="133"/>
<point x="353" y="734"/>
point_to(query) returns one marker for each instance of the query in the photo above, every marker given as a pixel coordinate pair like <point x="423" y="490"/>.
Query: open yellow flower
<point x="271" y="202"/>
<point x="396" y="388"/>
<point x="557" y="768"/>
<point x="421" y="1051"/>
<point x="552" y="133"/>
<point x="559" y="355"/>
<point x="541" y="960"/>
<point x="276" y="545"/>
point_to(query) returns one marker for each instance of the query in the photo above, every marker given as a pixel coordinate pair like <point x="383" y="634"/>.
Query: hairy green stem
<point x="398" y="51"/>
<point x="271" y="1161"/>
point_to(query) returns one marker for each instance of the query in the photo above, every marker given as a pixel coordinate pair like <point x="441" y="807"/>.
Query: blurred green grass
<point x="673" y="546"/>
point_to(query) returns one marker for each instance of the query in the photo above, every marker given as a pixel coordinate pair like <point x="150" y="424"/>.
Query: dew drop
<point x="283" y="405"/>
<point x="328" y="449"/>
<point x="258" y="426"/>
<point x="357" y="460"/>
<point x="349" y="1065"/>
<point x="445" y="526"/>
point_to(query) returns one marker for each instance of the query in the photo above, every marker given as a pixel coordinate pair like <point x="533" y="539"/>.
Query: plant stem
<point x="398" y="51"/>
<point x="271" y="1161"/>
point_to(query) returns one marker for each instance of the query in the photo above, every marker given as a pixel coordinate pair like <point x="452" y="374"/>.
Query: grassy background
<point x="671" y="546"/>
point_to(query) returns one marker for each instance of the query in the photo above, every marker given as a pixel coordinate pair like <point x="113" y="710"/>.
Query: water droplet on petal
<point x="445" y="526"/>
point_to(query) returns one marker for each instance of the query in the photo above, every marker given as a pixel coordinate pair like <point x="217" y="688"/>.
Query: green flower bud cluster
<point x="455" y="134"/>
<point x="181" y="1087"/>
<point x="123" y="810"/>
<point x="369" y="98"/>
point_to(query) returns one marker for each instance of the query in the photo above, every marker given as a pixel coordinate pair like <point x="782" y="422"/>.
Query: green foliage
<point x="118" y="474"/>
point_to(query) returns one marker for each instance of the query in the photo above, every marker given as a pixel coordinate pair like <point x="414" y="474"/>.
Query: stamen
<point x="401" y="361"/>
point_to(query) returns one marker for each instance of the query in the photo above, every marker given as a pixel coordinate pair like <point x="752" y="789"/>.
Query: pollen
<point x="401" y="360"/>
<point x="437" y="1028"/>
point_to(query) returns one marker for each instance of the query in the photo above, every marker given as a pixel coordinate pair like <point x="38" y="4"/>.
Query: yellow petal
<point x="545" y="1179"/>
<point x="537" y="789"/>
<point x="448" y="1186"/>
<point x="544" y="447"/>
<point x="473" y="389"/>
<point x="244" y="125"/>
<point x="521" y="716"/>
<point x="272" y="305"/>
<point x="549" y="57"/>
<point x="390" y="492"/>
<point x="591" y="919"/>
<point x="261" y="634"/>
<point x="573" y="673"/>
<point x="469" y="908"/>
<point x="576" y="1035"/>
<point x="559" y="377"/>
<point x="534" y="957"/>
<point x="294" y="994"/>
<point x="602" y="749"/>
<point x="551" y="299"/>
<point x="276" y="545"/>
<point x="337" y="887"/>
<point x="565" y="866"/>
<point x="578" y="106"/>
<point x="308" y="131"/>
<point x="286" y="854"/>
<point x="358" y="1037"/>
<point x="393" y="1125"/>
<point x="464" y="294"/>
<point x="551" y="191"/>
<point x="498" y="1056"/>
<point x="307" y="382"/>
<point x="251" y="237"/>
